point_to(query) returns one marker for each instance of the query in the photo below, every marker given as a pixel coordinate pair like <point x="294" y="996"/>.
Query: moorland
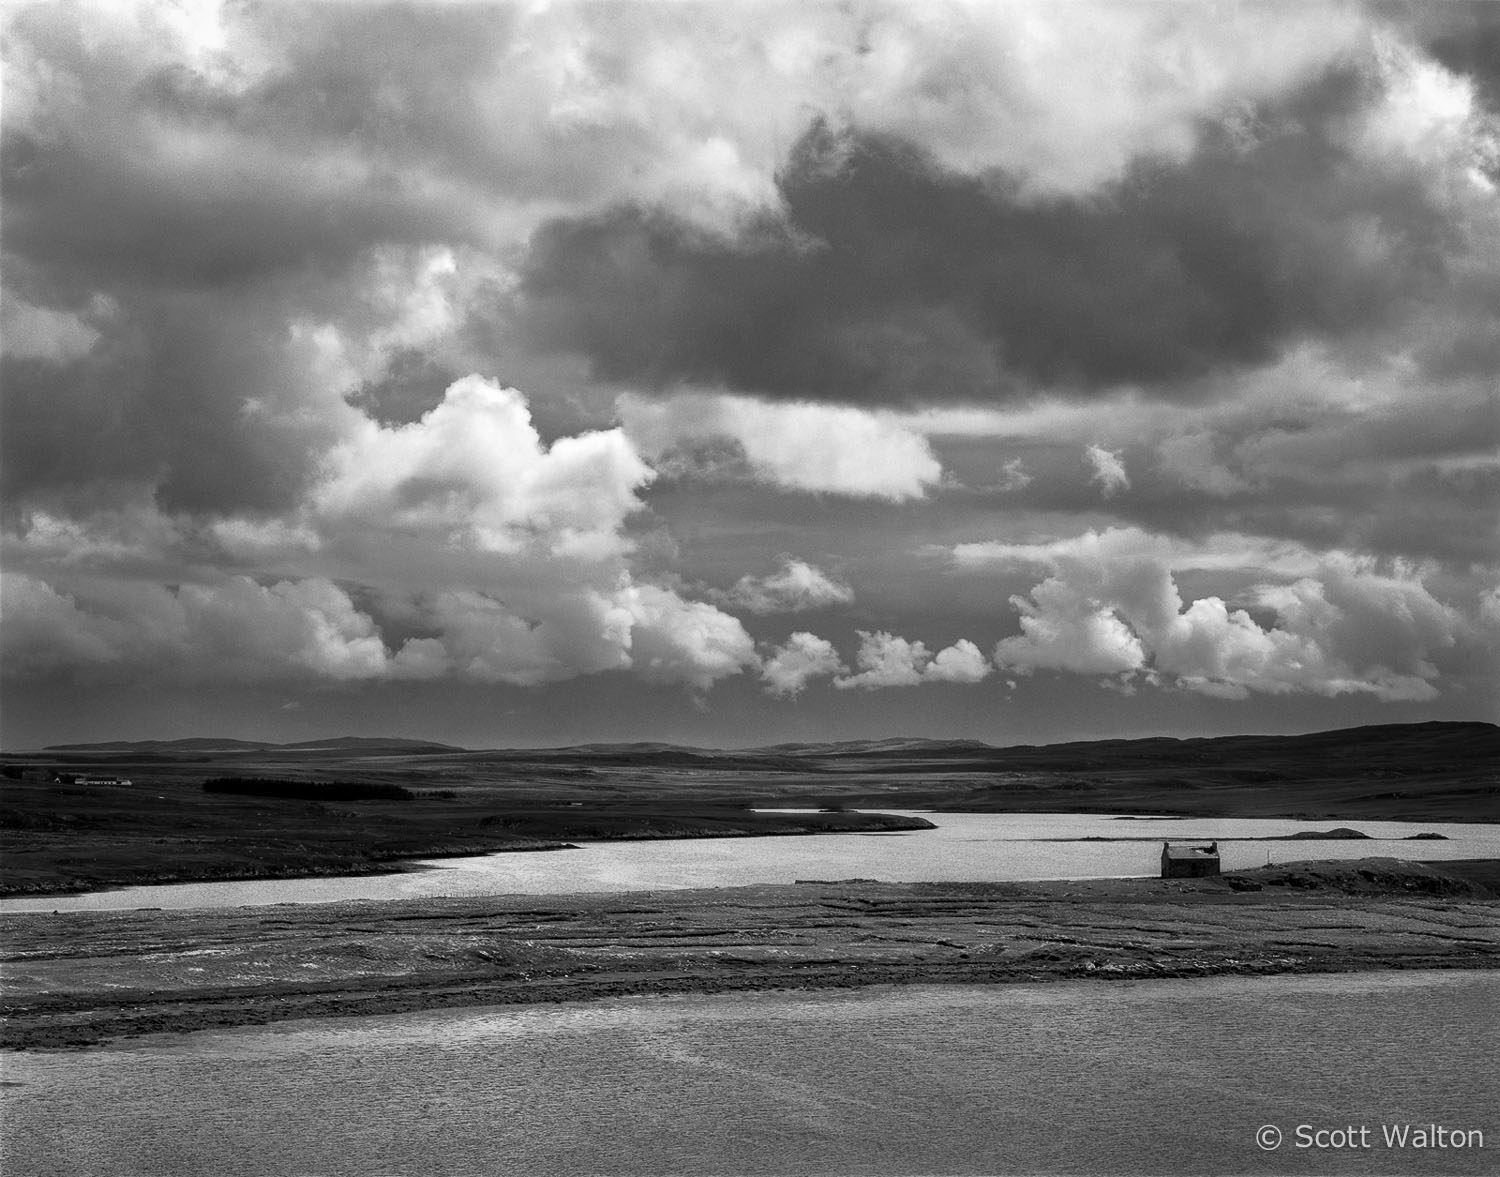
<point x="57" y="837"/>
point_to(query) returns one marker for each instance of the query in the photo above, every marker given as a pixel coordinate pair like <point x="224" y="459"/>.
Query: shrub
<point x="307" y="790"/>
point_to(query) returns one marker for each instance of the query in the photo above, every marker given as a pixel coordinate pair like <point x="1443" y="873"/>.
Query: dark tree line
<point x="307" y="790"/>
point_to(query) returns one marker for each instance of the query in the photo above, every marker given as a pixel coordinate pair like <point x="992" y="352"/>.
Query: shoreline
<point x="375" y="862"/>
<point x="84" y="979"/>
<point x="269" y="1009"/>
<point x="228" y="864"/>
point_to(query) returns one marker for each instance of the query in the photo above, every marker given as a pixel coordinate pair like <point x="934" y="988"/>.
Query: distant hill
<point x="194" y="744"/>
<point x="210" y="744"/>
<point x="1398" y="739"/>
<point x="1416" y="744"/>
<point x="1423" y="771"/>
<point x="373" y="744"/>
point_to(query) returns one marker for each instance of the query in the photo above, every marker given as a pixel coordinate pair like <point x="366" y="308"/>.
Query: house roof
<point x="1190" y="852"/>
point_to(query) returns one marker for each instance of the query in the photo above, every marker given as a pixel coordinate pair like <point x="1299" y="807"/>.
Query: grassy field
<point x="163" y="827"/>
<point x="58" y="838"/>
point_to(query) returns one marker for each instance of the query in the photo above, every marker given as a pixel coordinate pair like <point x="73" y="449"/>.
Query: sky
<point x="542" y="373"/>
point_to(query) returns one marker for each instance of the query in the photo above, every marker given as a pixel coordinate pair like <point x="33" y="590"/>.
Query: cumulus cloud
<point x="673" y="640"/>
<point x="803" y="447"/>
<point x="238" y="630"/>
<point x="886" y="660"/>
<point x="1108" y="471"/>
<point x="503" y="557"/>
<point x="1064" y="630"/>
<point x="479" y="639"/>
<point x="888" y="278"/>
<point x="795" y="587"/>
<point x="1112" y="606"/>
<point x="251" y="252"/>
<point x="788" y="668"/>
<point x="476" y="465"/>
<point x="962" y="662"/>
<point x="234" y="628"/>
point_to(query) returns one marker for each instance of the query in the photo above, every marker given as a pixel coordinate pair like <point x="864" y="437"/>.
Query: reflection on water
<point x="1091" y="1077"/>
<point x="965" y="847"/>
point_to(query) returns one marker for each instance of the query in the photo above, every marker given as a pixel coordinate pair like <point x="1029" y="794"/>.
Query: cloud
<point x="500" y="559"/>
<point x="1062" y="629"/>
<point x="800" y="447"/>
<point x="39" y="333"/>
<point x="1190" y="459"/>
<point x="1216" y="552"/>
<point x="788" y="668"/>
<point x="474" y="469"/>
<point x="1112" y="606"/>
<point x="795" y="587"/>
<point x="673" y="640"/>
<point x="234" y="629"/>
<point x="962" y="662"/>
<point x="1109" y="471"/>
<point x="886" y="660"/>
<point x="1013" y="476"/>
<point x="890" y="278"/>
<point x="45" y="630"/>
<point x="479" y="639"/>
<point x="251" y="252"/>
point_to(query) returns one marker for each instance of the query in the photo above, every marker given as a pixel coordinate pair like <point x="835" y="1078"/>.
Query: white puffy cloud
<point x="233" y="628"/>
<point x="1063" y="629"/>
<point x="802" y="447"/>
<point x="788" y="669"/>
<point x="962" y="662"/>
<point x="1432" y="117"/>
<point x="480" y="640"/>
<point x="795" y="587"/>
<point x="504" y="559"/>
<point x="886" y="660"/>
<point x="1113" y="606"/>
<point x="1109" y="470"/>
<point x="474" y="470"/>
<point x="553" y="102"/>
<point x="1067" y="96"/>
<point x="672" y="640"/>
<point x="649" y="630"/>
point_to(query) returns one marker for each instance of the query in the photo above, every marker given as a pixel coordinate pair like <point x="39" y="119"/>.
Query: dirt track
<point x="78" y="979"/>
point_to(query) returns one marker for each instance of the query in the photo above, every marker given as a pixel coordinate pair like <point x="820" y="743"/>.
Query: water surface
<point x="966" y="847"/>
<point x="1087" y="1077"/>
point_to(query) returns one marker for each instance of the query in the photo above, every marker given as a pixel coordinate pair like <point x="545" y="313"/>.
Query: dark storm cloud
<point x="222" y="207"/>
<point x="413" y="383"/>
<point x="107" y="217"/>
<point x="163" y="402"/>
<point x="892" y="281"/>
<point x="172" y="181"/>
<point x="193" y="230"/>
